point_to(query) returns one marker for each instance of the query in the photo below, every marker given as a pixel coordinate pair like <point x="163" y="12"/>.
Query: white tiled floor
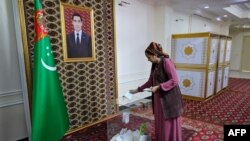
<point x="238" y="74"/>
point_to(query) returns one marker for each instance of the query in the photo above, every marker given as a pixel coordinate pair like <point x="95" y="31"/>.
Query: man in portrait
<point x="78" y="42"/>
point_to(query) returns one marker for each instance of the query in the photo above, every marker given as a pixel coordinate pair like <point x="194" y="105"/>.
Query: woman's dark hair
<point x="156" y="49"/>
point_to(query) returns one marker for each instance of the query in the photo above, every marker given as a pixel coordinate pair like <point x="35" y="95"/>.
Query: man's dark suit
<point x="83" y="49"/>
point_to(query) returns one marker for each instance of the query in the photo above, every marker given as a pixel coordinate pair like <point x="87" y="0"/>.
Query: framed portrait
<point x="78" y="39"/>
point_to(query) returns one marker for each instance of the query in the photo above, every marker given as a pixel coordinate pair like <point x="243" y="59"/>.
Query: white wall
<point x="12" y="123"/>
<point x="12" y="115"/>
<point x="224" y="28"/>
<point x="237" y="44"/>
<point x="184" y="23"/>
<point x="135" y="29"/>
<point x="180" y="23"/>
<point x="164" y="15"/>
<point x="199" y="24"/>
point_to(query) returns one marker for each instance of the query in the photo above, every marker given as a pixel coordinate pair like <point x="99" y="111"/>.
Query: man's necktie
<point x="77" y="39"/>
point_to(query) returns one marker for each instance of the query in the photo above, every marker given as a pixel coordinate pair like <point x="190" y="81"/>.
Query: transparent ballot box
<point x="128" y="125"/>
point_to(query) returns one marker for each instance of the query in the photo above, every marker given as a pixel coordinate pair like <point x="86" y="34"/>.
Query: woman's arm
<point x="147" y="84"/>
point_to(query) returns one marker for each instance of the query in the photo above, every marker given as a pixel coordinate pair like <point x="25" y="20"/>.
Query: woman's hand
<point x="155" y="89"/>
<point x="133" y="91"/>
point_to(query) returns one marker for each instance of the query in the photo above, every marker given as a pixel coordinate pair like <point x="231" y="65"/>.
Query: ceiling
<point x="237" y="11"/>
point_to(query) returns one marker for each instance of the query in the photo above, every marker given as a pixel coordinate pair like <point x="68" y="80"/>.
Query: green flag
<point x="49" y="114"/>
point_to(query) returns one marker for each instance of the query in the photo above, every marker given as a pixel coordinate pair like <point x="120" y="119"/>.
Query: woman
<point x="166" y="99"/>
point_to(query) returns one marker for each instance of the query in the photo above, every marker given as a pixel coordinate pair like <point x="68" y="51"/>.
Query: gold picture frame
<point x="78" y="39"/>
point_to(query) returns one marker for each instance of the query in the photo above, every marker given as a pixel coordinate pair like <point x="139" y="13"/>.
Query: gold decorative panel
<point x="89" y="87"/>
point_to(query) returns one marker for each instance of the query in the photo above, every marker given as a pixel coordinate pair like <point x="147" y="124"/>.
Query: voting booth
<point x="202" y="62"/>
<point x="223" y="62"/>
<point x="226" y="63"/>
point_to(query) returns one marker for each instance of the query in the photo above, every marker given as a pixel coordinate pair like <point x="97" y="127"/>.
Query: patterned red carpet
<point x="239" y="85"/>
<point x="203" y="130"/>
<point x="230" y="107"/>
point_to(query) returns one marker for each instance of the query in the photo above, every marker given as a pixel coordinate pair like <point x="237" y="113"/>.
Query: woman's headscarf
<point x="156" y="49"/>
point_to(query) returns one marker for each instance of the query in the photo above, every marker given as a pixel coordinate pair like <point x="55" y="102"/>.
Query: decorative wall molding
<point x="11" y="98"/>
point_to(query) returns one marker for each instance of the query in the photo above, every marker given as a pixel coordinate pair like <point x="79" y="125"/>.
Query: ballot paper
<point x="127" y="135"/>
<point x="128" y="95"/>
<point x="147" y="90"/>
<point x="130" y="135"/>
